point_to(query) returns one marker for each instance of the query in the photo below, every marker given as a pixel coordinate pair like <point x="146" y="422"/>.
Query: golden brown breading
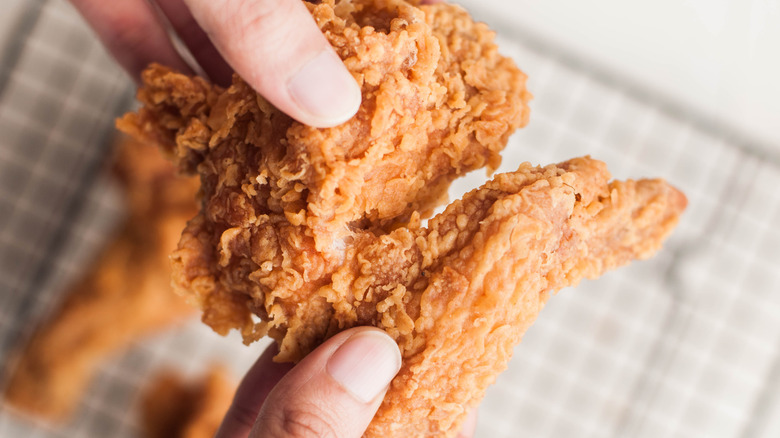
<point x="438" y="101"/>
<point x="174" y="408"/>
<point x="318" y="230"/>
<point x="459" y="294"/>
<point x="126" y="294"/>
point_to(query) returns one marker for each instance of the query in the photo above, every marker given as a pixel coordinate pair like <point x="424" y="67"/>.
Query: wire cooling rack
<point x="684" y="345"/>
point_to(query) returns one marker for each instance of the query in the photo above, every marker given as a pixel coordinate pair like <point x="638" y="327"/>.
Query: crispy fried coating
<point x="126" y="294"/>
<point x="172" y="407"/>
<point x="459" y="294"/>
<point x="314" y="231"/>
<point x="438" y="101"/>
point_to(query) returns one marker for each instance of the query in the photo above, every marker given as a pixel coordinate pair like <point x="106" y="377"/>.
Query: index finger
<point x="132" y="32"/>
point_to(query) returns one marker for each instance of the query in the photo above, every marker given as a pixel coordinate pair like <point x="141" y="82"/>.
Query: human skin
<point x="224" y="36"/>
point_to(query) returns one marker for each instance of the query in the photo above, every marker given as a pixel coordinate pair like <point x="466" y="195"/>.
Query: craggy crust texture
<point x="126" y="294"/>
<point x="438" y="101"/>
<point x="459" y="295"/>
<point x="172" y="407"/>
<point x="315" y="231"/>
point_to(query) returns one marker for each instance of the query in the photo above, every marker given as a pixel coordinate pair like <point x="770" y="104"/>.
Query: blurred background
<point x="684" y="345"/>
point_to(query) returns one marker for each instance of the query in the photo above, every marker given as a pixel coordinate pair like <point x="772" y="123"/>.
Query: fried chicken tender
<point x="126" y="294"/>
<point x="172" y="407"/>
<point x="438" y="101"/>
<point x="459" y="294"/>
<point x="305" y="232"/>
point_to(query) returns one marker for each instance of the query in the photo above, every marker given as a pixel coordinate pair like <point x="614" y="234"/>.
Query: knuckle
<point x="304" y="421"/>
<point x="243" y="415"/>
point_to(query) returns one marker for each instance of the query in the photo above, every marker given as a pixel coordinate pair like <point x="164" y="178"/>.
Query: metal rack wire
<point x="686" y="344"/>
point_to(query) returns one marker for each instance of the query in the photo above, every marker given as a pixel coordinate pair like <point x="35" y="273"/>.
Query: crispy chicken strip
<point x="172" y="407"/>
<point x="126" y="294"/>
<point x="459" y="294"/>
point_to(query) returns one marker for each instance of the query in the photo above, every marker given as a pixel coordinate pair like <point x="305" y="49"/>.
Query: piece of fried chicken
<point x="173" y="407"/>
<point x="126" y="294"/>
<point x="318" y="230"/>
<point x="438" y="101"/>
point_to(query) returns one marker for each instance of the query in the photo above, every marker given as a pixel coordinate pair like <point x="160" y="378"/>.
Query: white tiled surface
<point x="684" y="345"/>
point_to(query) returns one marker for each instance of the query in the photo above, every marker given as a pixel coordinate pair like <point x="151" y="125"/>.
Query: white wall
<point x="720" y="57"/>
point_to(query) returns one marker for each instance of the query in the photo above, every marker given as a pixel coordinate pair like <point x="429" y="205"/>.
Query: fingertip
<point x="324" y="92"/>
<point x="365" y="364"/>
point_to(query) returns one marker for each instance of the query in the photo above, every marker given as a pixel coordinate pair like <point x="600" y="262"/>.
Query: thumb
<point x="333" y="392"/>
<point x="276" y="46"/>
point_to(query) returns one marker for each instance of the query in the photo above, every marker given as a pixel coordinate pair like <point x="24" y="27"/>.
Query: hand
<point x="332" y="392"/>
<point x="275" y="45"/>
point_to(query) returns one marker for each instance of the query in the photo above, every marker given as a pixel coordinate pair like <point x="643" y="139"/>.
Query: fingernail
<point x="365" y="364"/>
<point x="324" y="89"/>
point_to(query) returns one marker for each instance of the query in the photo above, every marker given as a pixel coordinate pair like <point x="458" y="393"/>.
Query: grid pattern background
<point x="684" y="345"/>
